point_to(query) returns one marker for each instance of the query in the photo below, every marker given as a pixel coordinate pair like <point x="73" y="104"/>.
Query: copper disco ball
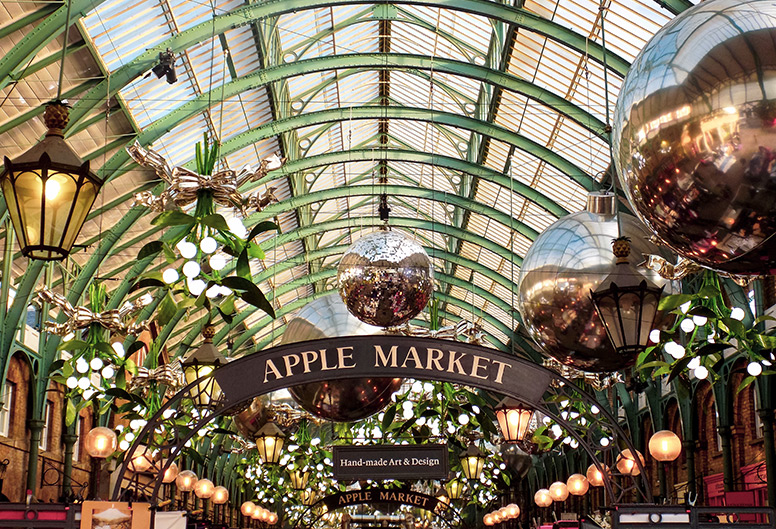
<point x="566" y="261"/>
<point x="695" y="135"/>
<point x="337" y="400"/>
<point x="385" y="278"/>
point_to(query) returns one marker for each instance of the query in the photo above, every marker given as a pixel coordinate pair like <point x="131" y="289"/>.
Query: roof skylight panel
<point x="579" y="146"/>
<point x="178" y="145"/>
<point x="242" y="50"/>
<point x="497" y="153"/>
<point x="253" y="154"/>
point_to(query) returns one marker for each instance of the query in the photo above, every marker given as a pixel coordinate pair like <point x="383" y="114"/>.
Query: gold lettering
<point x="434" y="358"/>
<point x="342" y="356"/>
<point x="287" y="359"/>
<point x="412" y="353"/>
<point x="476" y="366"/>
<point x="380" y="356"/>
<point x="270" y="366"/>
<point x="383" y="496"/>
<point x="456" y="362"/>
<point x="324" y="364"/>
<point x="500" y="372"/>
<point x="308" y="357"/>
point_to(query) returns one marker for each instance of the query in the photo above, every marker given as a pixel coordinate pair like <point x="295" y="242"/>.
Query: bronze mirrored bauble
<point x="250" y="420"/>
<point x="337" y="400"/>
<point x="385" y="278"/>
<point x="695" y="135"/>
<point x="566" y="261"/>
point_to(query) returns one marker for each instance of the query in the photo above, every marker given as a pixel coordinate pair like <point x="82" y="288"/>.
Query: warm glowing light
<point x="577" y="484"/>
<point x="100" y="442"/>
<point x="273" y="518"/>
<point x="186" y="481"/>
<point x="472" y="461"/>
<point x="665" y="445"/>
<point x="488" y="519"/>
<point x="513" y="419"/>
<point x="542" y="498"/>
<point x="595" y="477"/>
<point x="204" y="489"/>
<point x="269" y="443"/>
<point x="142" y="459"/>
<point x="626" y="462"/>
<point x="52" y="189"/>
<point x="220" y="495"/>
<point x="513" y="511"/>
<point x="170" y="474"/>
<point x="559" y="491"/>
<point x="247" y="508"/>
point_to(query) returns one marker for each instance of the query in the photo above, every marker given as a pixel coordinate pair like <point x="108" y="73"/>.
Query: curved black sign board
<point x="371" y="496"/>
<point x="381" y="356"/>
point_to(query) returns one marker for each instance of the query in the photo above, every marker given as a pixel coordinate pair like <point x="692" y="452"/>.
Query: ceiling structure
<point x="486" y="120"/>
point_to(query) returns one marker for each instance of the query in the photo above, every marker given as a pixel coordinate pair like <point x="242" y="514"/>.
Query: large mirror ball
<point x="339" y="400"/>
<point x="695" y="135"/>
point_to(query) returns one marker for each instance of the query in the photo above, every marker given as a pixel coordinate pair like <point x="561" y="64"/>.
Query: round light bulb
<point x="72" y="382"/>
<point x="236" y="226"/>
<point x="542" y="498"/>
<point x="191" y="269"/>
<point x="213" y="292"/>
<point x="141" y="459"/>
<point x="247" y="508"/>
<point x="84" y="383"/>
<point x="187" y="249"/>
<point x="665" y="445"/>
<point x="654" y="336"/>
<point x="81" y="365"/>
<point x="96" y="363"/>
<point x="577" y="484"/>
<point x="196" y="286"/>
<point x="595" y="477"/>
<point x="186" y="481"/>
<point x="626" y="462"/>
<point x="701" y="373"/>
<point x="170" y="275"/>
<point x="100" y="442"/>
<point x="171" y="473"/>
<point x="204" y="489"/>
<point x="513" y="511"/>
<point x="108" y="372"/>
<point x="220" y="495"/>
<point x="687" y="325"/>
<point x="559" y="491"/>
<point x="700" y="320"/>
<point x="737" y="313"/>
<point x="754" y="369"/>
<point x="208" y="245"/>
<point x="694" y="363"/>
<point x="217" y="261"/>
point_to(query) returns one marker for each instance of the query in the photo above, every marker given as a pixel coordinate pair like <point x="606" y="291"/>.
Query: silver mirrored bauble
<point x="338" y="400"/>
<point x="566" y="261"/>
<point x="385" y="278"/>
<point x="695" y="135"/>
<point x="519" y="461"/>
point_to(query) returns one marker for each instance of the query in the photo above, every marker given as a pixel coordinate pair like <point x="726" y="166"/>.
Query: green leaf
<point x="150" y="250"/>
<point x="73" y="345"/>
<point x="700" y="310"/>
<point x="70" y="412"/>
<point x="130" y="366"/>
<point x="148" y="282"/>
<point x="763" y="318"/>
<point x="678" y="367"/>
<point x="766" y="341"/>
<point x="169" y="255"/>
<point x="174" y="218"/>
<point x="671" y="302"/>
<point x="656" y="363"/>
<point x="708" y="291"/>
<point x="56" y="366"/>
<point x="243" y="267"/>
<point x="215" y="221"/>
<point x="744" y="383"/>
<point x="167" y="310"/>
<point x="711" y="348"/>
<point x="261" y="227"/>
<point x="132" y="349"/>
<point x="119" y="393"/>
<point x="228" y="318"/>
<point x="255" y="251"/>
<point x="735" y="326"/>
<point x="256" y="298"/>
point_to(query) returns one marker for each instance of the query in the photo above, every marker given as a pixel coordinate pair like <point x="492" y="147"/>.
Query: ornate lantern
<point x="201" y="363"/>
<point x="454" y="489"/>
<point x="626" y="303"/>
<point x="299" y="479"/>
<point x="513" y="419"/>
<point x="472" y="461"/>
<point x="269" y="443"/>
<point x="49" y="191"/>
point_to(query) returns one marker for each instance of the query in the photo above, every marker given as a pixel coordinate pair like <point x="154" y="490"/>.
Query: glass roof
<point x="461" y="108"/>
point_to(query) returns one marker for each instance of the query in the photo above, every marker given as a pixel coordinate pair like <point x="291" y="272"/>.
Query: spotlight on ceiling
<point x="166" y="66"/>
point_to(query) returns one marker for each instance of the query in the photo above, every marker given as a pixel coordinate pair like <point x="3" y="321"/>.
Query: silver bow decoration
<point x="463" y="331"/>
<point x="184" y="184"/>
<point x="685" y="267"/>
<point x="171" y="375"/>
<point x="80" y="317"/>
<point x="596" y="380"/>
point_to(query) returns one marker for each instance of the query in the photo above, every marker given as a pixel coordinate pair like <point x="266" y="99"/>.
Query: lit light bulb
<point x="108" y="372"/>
<point x="217" y="261"/>
<point x="700" y="320"/>
<point x="52" y="189"/>
<point x="687" y="325"/>
<point x="684" y="307"/>
<point x="208" y="245"/>
<point x="754" y="369"/>
<point x="84" y="383"/>
<point x="170" y="276"/>
<point x="196" y="286"/>
<point x="191" y="269"/>
<point x="72" y="382"/>
<point x="81" y="365"/>
<point x="737" y="313"/>
<point x="118" y="348"/>
<point x="701" y="373"/>
<point x="213" y="292"/>
<point x="96" y="363"/>
<point x="654" y="336"/>
<point x="236" y="226"/>
<point x="694" y="363"/>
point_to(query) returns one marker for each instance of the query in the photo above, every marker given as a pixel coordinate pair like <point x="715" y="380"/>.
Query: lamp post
<point x="99" y="443"/>
<point x="186" y="481"/>
<point x="665" y="446"/>
<point x="269" y="443"/>
<point x="220" y="497"/>
<point x="513" y="419"/>
<point x="626" y="303"/>
<point x="49" y="191"/>
<point x="204" y="490"/>
<point x="472" y="461"/>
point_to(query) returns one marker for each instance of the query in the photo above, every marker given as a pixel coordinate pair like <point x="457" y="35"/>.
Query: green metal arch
<point x="414" y="114"/>
<point x="254" y="12"/>
<point x="438" y="160"/>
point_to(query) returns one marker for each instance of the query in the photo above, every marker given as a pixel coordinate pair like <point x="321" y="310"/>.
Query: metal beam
<point x="357" y="60"/>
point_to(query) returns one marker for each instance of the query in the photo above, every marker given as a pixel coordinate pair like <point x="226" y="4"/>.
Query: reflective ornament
<point x="250" y="420"/>
<point x="516" y="459"/>
<point x="695" y="135"/>
<point x="338" y="400"/>
<point x="385" y="278"/>
<point x="566" y="261"/>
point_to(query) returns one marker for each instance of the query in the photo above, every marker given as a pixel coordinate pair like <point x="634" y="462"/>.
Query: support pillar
<point x="661" y="477"/>
<point x="689" y="450"/>
<point x="767" y="417"/>
<point x="729" y="479"/>
<point x="36" y="427"/>
<point x="68" y="439"/>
